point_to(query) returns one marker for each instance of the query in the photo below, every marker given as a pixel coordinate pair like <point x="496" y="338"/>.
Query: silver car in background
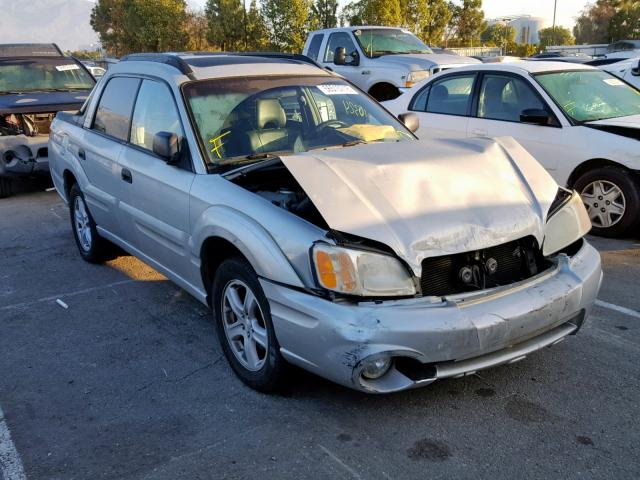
<point x="316" y="226"/>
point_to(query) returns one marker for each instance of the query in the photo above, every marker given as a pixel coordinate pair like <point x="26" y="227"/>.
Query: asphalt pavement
<point x="129" y="382"/>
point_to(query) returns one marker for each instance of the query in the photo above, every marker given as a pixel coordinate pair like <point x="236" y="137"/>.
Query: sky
<point x="567" y="9"/>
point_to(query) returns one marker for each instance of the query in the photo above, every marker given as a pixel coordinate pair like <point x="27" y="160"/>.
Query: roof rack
<point x="171" y="59"/>
<point x="30" y="50"/>
<point x="175" y="59"/>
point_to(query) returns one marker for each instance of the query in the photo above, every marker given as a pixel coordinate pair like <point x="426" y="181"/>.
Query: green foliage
<point x="498" y="35"/>
<point x="555" y="36"/>
<point x="324" y="14"/>
<point x="287" y="22"/>
<point x="607" y="21"/>
<point x="521" y="49"/>
<point x="468" y="22"/>
<point x="257" y="33"/>
<point x="126" y="26"/>
<point x="226" y="24"/>
<point x="625" y="23"/>
<point x="84" y="54"/>
<point x="434" y="25"/>
<point x="196" y="29"/>
<point x="382" y="12"/>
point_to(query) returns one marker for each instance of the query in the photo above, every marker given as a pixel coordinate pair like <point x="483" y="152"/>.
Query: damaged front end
<point x="23" y="143"/>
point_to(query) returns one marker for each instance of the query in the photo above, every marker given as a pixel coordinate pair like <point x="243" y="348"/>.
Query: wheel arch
<point x="383" y="86"/>
<point x="591" y="164"/>
<point x="69" y="179"/>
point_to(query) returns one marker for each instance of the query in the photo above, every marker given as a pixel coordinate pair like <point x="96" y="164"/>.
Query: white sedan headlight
<point x="415" y="77"/>
<point x="568" y="223"/>
<point x="361" y="273"/>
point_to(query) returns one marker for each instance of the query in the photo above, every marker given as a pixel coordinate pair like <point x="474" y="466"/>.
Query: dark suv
<point x="36" y="82"/>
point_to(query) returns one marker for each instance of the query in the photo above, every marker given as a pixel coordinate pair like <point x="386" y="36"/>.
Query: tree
<point x="324" y="13"/>
<point x="226" y="24"/>
<point x="382" y="12"/>
<point x="593" y="24"/>
<point x="196" y="28"/>
<point x="287" y="22"/>
<point x="257" y="33"/>
<point x="625" y="23"/>
<point x="555" y="36"/>
<point x="499" y="35"/>
<point x="468" y="22"/>
<point x="126" y="26"/>
<point x="439" y="16"/>
<point x="414" y="14"/>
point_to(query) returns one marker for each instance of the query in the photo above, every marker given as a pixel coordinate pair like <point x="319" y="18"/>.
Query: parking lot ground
<point x="128" y="382"/>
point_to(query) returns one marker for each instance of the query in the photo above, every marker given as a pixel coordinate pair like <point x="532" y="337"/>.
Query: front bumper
<point x="22" y="156"/>
<point x="433" y="338"/>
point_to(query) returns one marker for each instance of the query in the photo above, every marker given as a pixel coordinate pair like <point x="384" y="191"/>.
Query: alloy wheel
<point x="82" y="224"/>
<point x="605" y="203"/>
<point x="244" y="325"/>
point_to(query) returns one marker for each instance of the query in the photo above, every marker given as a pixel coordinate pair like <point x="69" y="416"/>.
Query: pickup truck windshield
<point x="388" y="41"/>
<point x="244" y="119"/>
<point x="18" y="75"/>
<point x="590" y="95"/>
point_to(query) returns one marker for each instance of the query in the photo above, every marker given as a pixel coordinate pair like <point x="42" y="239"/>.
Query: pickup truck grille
<point x="481" y="269"/>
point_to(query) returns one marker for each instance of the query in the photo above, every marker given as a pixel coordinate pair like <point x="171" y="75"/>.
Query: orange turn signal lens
<point x="326" y="273"/>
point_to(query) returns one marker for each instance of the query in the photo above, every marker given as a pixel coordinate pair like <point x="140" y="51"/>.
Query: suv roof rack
<point x="178" y="61"/>
<point x="30" y="50"/>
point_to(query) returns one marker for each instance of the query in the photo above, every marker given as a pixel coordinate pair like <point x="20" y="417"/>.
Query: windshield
<point x="241" y="119"/>
<point x="42" y="74"/>
<point x="388" y="41"/>
<point x="590" y="95"/>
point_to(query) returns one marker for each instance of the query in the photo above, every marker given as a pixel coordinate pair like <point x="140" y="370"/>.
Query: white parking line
<point x="10" y="464"/>
<point x="335" y="458"/>
<point x="618" y="308"/>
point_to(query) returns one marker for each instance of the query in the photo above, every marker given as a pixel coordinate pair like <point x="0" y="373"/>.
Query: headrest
<point x="270" y="114"/>
<point x="440" y="93"/>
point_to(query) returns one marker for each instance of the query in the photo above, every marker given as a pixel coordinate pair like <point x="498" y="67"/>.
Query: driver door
<point x="351" y="71"/>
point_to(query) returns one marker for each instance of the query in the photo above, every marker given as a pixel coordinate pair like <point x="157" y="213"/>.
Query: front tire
<point x="245" y="330"/>
<point x="612" y="198"/>
<point x="92" y="247"/>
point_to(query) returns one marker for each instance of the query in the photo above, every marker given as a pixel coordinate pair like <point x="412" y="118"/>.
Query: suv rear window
<point x="113" y="115"/>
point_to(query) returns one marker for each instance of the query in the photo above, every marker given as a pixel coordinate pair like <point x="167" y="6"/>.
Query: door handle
<point x="478" y="132"/>
<point x="82" y="154"/>
<point x="126" y="175"/>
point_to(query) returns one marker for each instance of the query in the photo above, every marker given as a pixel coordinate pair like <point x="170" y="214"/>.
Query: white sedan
<point x="581" y="123"/>
<point x="628" y="70"/>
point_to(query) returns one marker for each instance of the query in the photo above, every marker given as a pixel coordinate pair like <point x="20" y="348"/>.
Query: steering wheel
<point x="335" y="124"/>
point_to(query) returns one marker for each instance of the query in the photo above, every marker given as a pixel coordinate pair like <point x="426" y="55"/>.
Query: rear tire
<point x="92" y="247"/>
<point x="245" y="330"/>
<point x="5" y="187"/>
<point x="612" y="198"/>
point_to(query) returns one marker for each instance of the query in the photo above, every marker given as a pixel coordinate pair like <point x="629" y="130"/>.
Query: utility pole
<point x="555" y="6"/>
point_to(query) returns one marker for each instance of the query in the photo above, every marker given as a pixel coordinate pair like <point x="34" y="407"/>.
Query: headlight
<point x="415" y="77"/>
<point x="361" y="273"/>
<point x="568" y="223"/>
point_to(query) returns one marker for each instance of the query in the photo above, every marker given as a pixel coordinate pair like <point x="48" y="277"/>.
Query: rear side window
<point x="155" y="112"/>
<point x="451" y="95"/>
<point x="113" y="115"/>
<point x="314" y="46"/>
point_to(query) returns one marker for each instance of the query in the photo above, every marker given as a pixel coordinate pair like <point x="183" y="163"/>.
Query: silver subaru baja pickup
<point x="319" y="230"/>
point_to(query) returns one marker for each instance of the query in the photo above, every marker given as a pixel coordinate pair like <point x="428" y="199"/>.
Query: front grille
<point x="491" y="267"/>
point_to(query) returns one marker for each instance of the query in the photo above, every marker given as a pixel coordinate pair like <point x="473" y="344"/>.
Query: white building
<point x="526" y="26"/>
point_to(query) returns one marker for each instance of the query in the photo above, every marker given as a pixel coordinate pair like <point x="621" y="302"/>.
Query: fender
<point x="250" y="238"/>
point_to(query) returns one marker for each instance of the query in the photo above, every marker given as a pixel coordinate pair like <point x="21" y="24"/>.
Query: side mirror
<point x="636" y="71"/>
<point x="167" y="146"/>
<point x="410" y="120"/>
<point x="536" y="116"/>
<point x="340" y="56"/>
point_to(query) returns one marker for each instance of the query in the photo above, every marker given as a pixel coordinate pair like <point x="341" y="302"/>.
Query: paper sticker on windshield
<point x="64" y="68"/>
<point x="615" y="82"/>
<point x="337" y="89"/>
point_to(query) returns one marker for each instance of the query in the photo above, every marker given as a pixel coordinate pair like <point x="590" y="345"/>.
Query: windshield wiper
<point x="353" y="143"/>
<point x="247" y="158"/>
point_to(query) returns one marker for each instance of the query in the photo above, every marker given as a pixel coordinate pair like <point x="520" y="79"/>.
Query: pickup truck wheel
<point x="612" y="198"/>
<point x="5" y="187"/>
<point x="93" y="248"/>
<point x="245" y="330"/>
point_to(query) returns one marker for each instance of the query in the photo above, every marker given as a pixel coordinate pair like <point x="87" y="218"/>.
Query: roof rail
<point x="287" y="56"/>
<point x="166" y="58"/>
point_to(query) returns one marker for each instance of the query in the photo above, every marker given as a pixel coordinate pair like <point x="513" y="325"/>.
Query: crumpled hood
<point x="34" y="102"/>
<point x="424" y="61"/>
<point x="429" y="198"/>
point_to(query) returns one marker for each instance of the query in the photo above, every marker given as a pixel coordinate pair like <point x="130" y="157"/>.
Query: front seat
<point x="271" y="134"/>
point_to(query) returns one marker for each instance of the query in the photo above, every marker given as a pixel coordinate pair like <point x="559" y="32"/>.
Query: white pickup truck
<point x="383" y="61"/>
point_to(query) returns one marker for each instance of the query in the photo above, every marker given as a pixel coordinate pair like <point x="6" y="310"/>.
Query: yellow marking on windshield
<point x="217" y="143"/>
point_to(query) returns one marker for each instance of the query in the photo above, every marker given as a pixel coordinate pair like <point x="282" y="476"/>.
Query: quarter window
<point x="113" y="115"/>
<point x="336" y="40"/>
<point x="314" y="46"/>
<point x="451" y="95"/>
<point x="155" y="112"/>
<point x="504" y="98"/>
